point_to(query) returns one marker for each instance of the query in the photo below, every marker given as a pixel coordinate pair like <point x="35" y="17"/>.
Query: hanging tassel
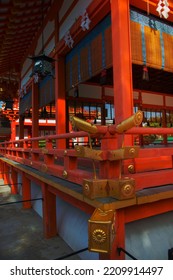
<point x="103" y="77"/>
<point x="145" y="75"/>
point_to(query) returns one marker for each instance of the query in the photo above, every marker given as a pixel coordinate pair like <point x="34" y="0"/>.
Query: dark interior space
<point x="158" y="79"/>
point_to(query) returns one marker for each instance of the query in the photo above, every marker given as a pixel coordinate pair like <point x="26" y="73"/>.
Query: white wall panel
<point x="50" y="46"/>
<point x="36" y="193"/>
<point x="65" y="6"/>
<point x="48" y="30"/>
<point x="26" y="78"/>
<point x="72" y="223"/>
<point x="135" y="94"/>
<point x="152" y="99"/>
<point x="75" y="14"/>
<point x="150" y="238"/>
<point x="73" y="228"/>
<point x="169" y="101"/>
<point x="109" y="91"/>
<point x="89" y="91"/>
<point x="27" y="64"/>
<point x="19" y="186"/>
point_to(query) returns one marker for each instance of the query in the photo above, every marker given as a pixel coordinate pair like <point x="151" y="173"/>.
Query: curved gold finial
<point x="83" y="125"/>
<point x="130" y="122"/>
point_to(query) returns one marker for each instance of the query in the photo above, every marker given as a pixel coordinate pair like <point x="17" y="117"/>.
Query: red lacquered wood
<point x="142" y="211"/>
<point x="49" y="212"/>
<point x="26" y="191"/>
<point x="14" y="186"/>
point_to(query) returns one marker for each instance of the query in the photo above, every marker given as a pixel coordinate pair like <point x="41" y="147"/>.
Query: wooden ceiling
<point x="20" y="21"/>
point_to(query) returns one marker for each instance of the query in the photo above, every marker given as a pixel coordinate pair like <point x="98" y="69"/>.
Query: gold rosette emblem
<point x="127" y="189"/>
<point x="99" y="236"/>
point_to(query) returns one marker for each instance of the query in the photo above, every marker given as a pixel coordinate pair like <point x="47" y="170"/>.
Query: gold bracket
<point x="86" y="152"/>
<point x="95" y="188"/>
<point x="123" y="188"/>
<point x="124" y="153"/>
<point x="43" y="168"/>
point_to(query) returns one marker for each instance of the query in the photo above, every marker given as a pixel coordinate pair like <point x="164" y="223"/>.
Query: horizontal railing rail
<point x="152" y="167"/>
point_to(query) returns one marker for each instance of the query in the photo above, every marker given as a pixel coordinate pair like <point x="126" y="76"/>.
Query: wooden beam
<point x="72" y="200"/>
<point x="142" y="211"/>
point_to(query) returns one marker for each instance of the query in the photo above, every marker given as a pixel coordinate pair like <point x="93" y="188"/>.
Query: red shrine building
<point x="86" y="91"/>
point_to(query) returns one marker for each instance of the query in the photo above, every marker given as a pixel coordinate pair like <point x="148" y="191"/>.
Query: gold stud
<point x="131" y="168"/>
<point x="65" y="174"/>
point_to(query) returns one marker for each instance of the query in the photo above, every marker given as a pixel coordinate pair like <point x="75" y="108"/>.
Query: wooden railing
<point x="149" y="167"/>
<point x="61" y="163"/>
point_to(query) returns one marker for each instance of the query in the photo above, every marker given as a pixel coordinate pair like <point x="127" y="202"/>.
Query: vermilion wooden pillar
<point x="26" y="191"/>
<point x="13" y="181"/>
<point x="35" y="112"/>
<point x="49" y="212"/>
<point x="60" y="102"/>
<point x="122" y="63"/>
<point x="6" y="173"/>
<point x="13" y="130"/>
<point x="1" y="169"/>
<point x="109" y="169"/>
<point x="123" y="101"/>
<point x="21" y="127"/>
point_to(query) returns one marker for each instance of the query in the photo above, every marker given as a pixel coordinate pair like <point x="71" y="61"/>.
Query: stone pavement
<point x="21" y="233"/>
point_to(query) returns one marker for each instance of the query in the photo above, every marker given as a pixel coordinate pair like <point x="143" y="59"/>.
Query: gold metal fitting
<point x="99" y="236"/>
<point x="65" y="152"/>
<point x="83" y="125"/>
<point x="86" y="188"/>
<point x="77" y="148"/>
<point x="132" y="151"/>
<point x="101" y="231"/>
<point x="65" y="174"/>
<point x="130" y="122"/>
<point x="138" y="117"/>
<point x="127" y="190"/>
<point x="123" y="188"/>
<point x="44" y="168"/>
<point x="131" y="168"/>
<point x="44" y="150"/>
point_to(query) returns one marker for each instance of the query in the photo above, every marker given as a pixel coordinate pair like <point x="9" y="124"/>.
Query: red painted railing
<point x="153" y="167"/>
